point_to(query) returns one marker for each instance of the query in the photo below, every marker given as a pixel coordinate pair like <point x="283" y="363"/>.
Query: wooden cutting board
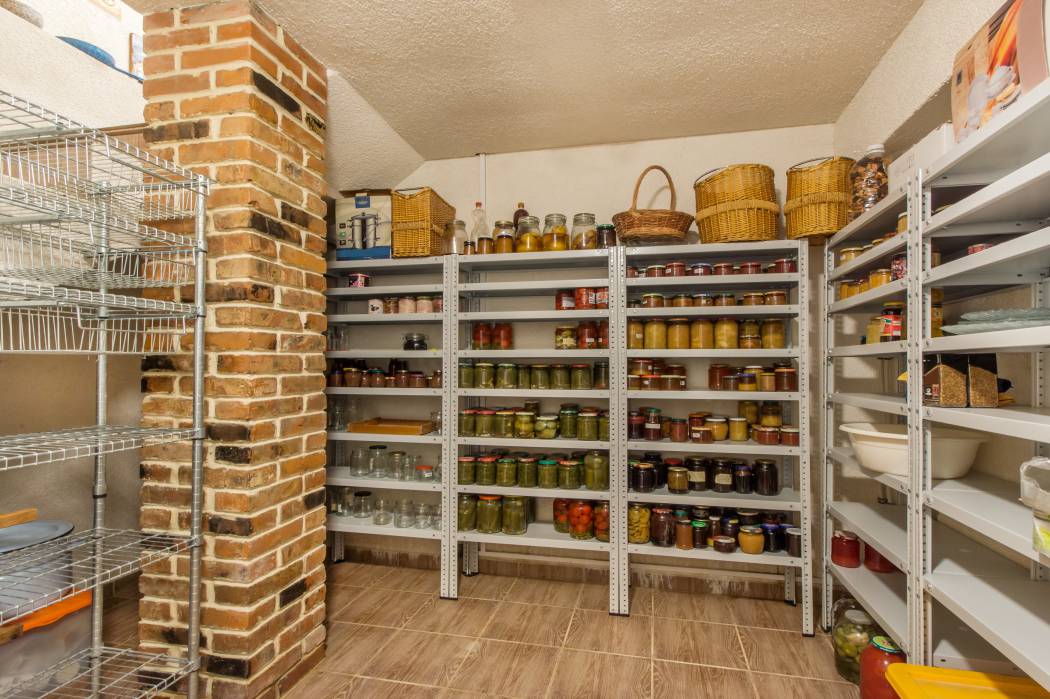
<point x="386" y="425"/>
<point x="10" y="519"/>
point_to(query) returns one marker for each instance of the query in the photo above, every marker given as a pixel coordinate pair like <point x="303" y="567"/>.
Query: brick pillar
<point x="231" y="95"/>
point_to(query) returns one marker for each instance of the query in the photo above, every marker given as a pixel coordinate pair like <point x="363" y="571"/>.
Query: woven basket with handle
<point x="818" y="195"/>
<point x="419" y="222"/>
<point x="652" y="226"/>
<point x="736" y="204"/>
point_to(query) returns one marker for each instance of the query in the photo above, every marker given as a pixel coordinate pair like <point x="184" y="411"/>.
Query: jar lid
<point x="548" y="462"/>
<point x="652" y="294"/>
<point x="487" y="459"/>
<point x="466" y="458"/>
<point x="377" y="446"/>
<point x="723" y="539"/>
<point x="569" y="410"/>
<point x="787" y="428"/>
<point x="540" y="366"/>
<point x="504" y="412"/>
<point x="588" y="413"/>
<point x="750" y="529"/>
<point x="858" y="617"/>
<point x="548" y="416"/>
<point x="764" y="428"/>
<point x="677" y="469"/>
<point x="569" y="462"/>
<point x="738" y="419"/>
<point x="484" y="364"/>
<point x="566" y="328"/>
<point x="716" y="418"/>
<point x="486" y="412"/>
<point x="699" y="524"/>
<point x="784" y="369"/>
<point x="747" y="294"/>
<point x="606" y="227"/>
<point x="489" y="497"/>
<point x="678" y="320"/>
<point x="581" y="366"/>
<point x="524" y="413"/>
<point x="643" y="465"/>
<point x="886" y="644"/>
<point x="845" y="534"/>
<point x="656" y="267"/>
<point x="424" y="467"/>
<point x="793" y="531"/>
<point x="701" y="264"/>
<point x="362" y="493"/>
<point x="468" y="411"/>
<point x="507" y="364"/>
<point x="358" y="274"/>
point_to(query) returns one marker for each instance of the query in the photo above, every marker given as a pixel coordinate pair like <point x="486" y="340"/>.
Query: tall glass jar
<point x="851" y="634"/>
<point x="555" y="234"/>
<point x="596" y="471"/>
<point x="601" y="520"/>
<point x="581" y="519"/>
<point x="490" y="514"/>
<point x="467" y="512"/>
<point x="869" y="183"/>
<point x="504" y="237"/>
<point x="601" y="376"/>
<point x="514" y="515"/>
<point x="637" y="523"/>
<point x="524" y="426"/>
<point x="584" y="233"/>
<point x="528" y="238"/>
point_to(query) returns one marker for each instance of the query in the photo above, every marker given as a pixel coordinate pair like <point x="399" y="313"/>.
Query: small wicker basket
<point x="736" y="204"/>
<point x="818" y="195"/>
<point x="419" y="220"/>
<point x="652" y="226"/>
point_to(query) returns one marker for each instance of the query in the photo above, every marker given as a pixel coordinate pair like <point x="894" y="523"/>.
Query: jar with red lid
<point x="635" y="426"/>
<point x="481" y="336"/>
<point x="601" y="297"/>
<point x="655" y="271"/>
<point x="715" y="372"/>
<point x="661" y="527"/>
<point x="875" y="659"/>
<point x="701" y="269"/>
<point x="785" y="265"/>
<point x="587" y="335"/>
<point x="723" y="268"/>
<point x="679" y="430"/>
<point x="675" y="269"/>
<point x="845" y="549"/>
<point x="749" y="268"/>
<point x="565" y="300"/>
<point x="583" y="297"/>
<point x="502" y="336"/>
<point x="876" y="562"/>
<point x="357" y="280"/>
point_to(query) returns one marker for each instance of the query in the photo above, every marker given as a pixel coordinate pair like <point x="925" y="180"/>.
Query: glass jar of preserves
<point x="635" y="333"/>
<point x="600" y="380"/>
<point x="564" y="300"/>
<point x="723" y="268"/>
<point x="502" y="238"/>
<point x="637" y="523"/>
<point x="467" y="512"/>
<point x="766" y="436"/>
<point x="603" y="426"/>
<point x="749" y="326"/>
<point x="739" y="429"/>
<point x="503" y="424"/>
<point x="875" y="659"/>
<point x="721" y="476"/>
<point x="635" y="426"/>
<point x="766" y="477"/>
<point x="584" y="233"/>
<point x="652" y="428"/>
<point x="786" y="378"/>
<point x="514" y="520"/>
<point x="845" y="549"/>
<point x="677" y="480"/>
<point x="715" y="373"/>
<point x="703" y="300"/>
<point x="484" y="375"/>
<point x="524" y="426"/>
<point x="746" y="382"/>
<point x="569" y="474"/>
<point x="676" y="269"/>
<point x="467" y="422"/>
<point x="776" y="297"/>
<point x="584" y="298"/>
<point x="701" y="334"/>
<point x="596" y="471"/>
<point x="539" y="377"/>
<point x="490" y="514"/>
<point x="581" y="377"/>
<point x="567" y="421"/>
<point x="555" y="234"/>
<point x="770" y="415"/>
<point x="485" y="470"/>
<point x="767" y="381"/>
<point x="507" y="472"/>
<point x="507" y="376"/>
<point x="748" y="409"/>
<point x="565" y="337"/>
<point x="743" y="479"/>
<point x="719" y="427"/>
<point x="601" y="520"/>
<point x="528" y="238"/>
<point x="726" y="330"/>
<point x="653" y="300"/>
<point x="603" y="334"/>
<point x="679" y="430"/>
<point x="586" y="335"/>
<point x="527" y="472"/>
<point x="644" y="478"/>
<point x="581" y="519"/>
<point x="773" y="334"/>
<point x="751" y="539"/>
<point x="502" y="336"/>
<point x="678" y="333"/>
<point x="661" y="527"/>
<point x="650" y="382"/>
<point x="696" y="466"/>
<point x="561" y="515"/>
<point x="465" y="474"/>
<point x="547" y="473"/>
<point x="789" y="436"/>
<point x="466" y="374"/>
<point x="638" y="367"/>
<point x="752" y="298"/>
<point x="725" y="298"/>
<point x="481" y="336"/>
<point x="484" y="423"/>
<point x="653" y="271"/>
<point x="587" y="426"/>
<point x="546" y="426"/>
<point x="655" y="334"/>
<point x="851" y="634"/>
<point x="681" y="301"/>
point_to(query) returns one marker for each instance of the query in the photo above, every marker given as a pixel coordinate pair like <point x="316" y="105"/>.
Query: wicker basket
<point x="744" y="221"/>
<point x="817" y="198"/>
<point x="652" y="226"/>
<point x="419" y="222"/>
<point x="734" y="183"/>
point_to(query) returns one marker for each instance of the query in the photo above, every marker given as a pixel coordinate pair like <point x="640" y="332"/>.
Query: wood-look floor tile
<point x="382" y="607"/>
<point x="583" y="675"/>
<point x="507" y="669"/>
<point x="798" y="688"/>
<point x="485" y="586"/>
<point x="372" y="688"/>
<point x="351" y="646"/>
<point x="463" y="617"/>
<point x="528" y="623"/>
<point x="338" y="596"/>
<point x="602" y="632"/>
<point x="318" y="685"/>
<point x="765" y="613"/>
<point x="421" y="658"/>
<point x="552" y="593"/>
<point x="700" y="682"/>
<point x="695" y="606"/>
<point x="788" y="653"/>
<point x="697" y="642"/>
<point x="411" y="579"/>
<point x="596" y="598"/>
<point x="356" y="574"/>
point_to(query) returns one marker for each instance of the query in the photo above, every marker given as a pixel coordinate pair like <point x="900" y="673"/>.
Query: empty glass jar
<point x="361" y="506"/>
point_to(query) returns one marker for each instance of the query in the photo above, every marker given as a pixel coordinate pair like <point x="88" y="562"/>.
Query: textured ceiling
<point x="458" y="77"/>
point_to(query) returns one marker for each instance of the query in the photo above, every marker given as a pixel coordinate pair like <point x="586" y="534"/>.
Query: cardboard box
<point x="922" y="155"/>
<point x="357" y="212"/>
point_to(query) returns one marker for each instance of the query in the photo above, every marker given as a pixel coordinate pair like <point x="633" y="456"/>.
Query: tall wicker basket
<point x="818" y="195"/>
<point x="419" y="222"/>
<point x="736" y="204"/>
<point x="652" y="226"/>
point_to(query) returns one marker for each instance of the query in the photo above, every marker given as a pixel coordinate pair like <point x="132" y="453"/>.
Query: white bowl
<point x="883" y="447"/>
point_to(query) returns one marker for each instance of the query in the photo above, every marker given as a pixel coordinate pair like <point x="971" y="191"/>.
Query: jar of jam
<point x="739" y="429"/>
<point x="721" y="476"/>
<point x="561" y="515"/>
<point x="638" y="367"/>
<point x="564" y="300"/>
<point x="724" y="544"/>
<point x="678" y="333"/>
<point x="715" y="373"/>
<point x="752" y="298"/>
<point x="675" y="269"/>
<point x="785" y="265"/>
<point x="700" y="269"/>
<point x="878" y="277"/>
<point x="606" y="236"/>
<point x="481" y="336"/>
<point x="635" y="426"/>
<point x="701" y="334"/>
<point x="724" y="298"/>
<point x="726" y="333"/>
<point x="751" y="539"/>
<point x="655" y="271"/>
<point x="719" y="427"/>
<point x="772" y="536"/>
<point x="876" y="562"/>
<point x="747" y="382"/>
<point x="703" y="300"/>
<point x="766" y="477"/>
<point x="714" y="527"/>
<point x="633" y="272"/>
<point x="587" y="335"/>
<point x="565" y="337"/>
<point x="774" y="335"/>
<point x="661" y="527"/>
<point x="677" y="480"/>
<point x="679" y="430"/>
<point x="653" y="428"/>
<point x="644" y="478"/>
<point x="653" y="300"/>
<point x="723" y="268"/>
<point x="681" y="301"/>
<point x="789" y="436"/>
<point x="655" y="334"/>
<point x="749" y="268"/>
<point x="767" y="382"/>
<point x="669" y="382"/>
<point x="635" y="333"/>
<point x="767" y="436"/>
<point x="786" y="378"/>
<point x="638" y="520"/>
<point x="845" y="549"/>
<point x="743" y="479"/>
<point x="583" y="298"/>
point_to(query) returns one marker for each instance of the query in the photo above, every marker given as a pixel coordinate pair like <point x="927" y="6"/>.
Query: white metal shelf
<point x="718" y="252"/>
<point x="38" y="576"/>
<point x="787" y="353"/>
<point x="1022" y="260"/>
<point x="530" y="393"/>
<point x="713" y="282"/>
<point x="895" y="405"/>
<point x="394" y="265"/>
<point x="433" y="353"/>
<point x="872" y="299"/>
<point x="1034" y="339"/>
<point x="532" y="260"/>
<point x="775" y="311"/>
<point x="539" y="353"/>
<point x="787" y="500"/>
<point x="360" y="292"/>
<point x="875" y="222"/>
<point x="713" y="395"/>
<point x="883" y="527"/>
<point x="333" y="477"/>
<point x="377" y="437"/>
<point x="114" y="673"/>
<point x="363" y="525"/>
<point x="880" y="349"/>
<point x="844" y="456"/>
<point x="538" y="534"/>
<point x="547" y="315"/>
<point x="778" y="558"/>
<point x="723" y="447"/>
<point x="883" y="595"/>
<point x="380" y="392"/>
<point x="38" y="448"/>
<point x="1011" y="421"/>
<point x="385" y="318"/>
<point x="988" y="505"/>
<point x="577" y="494"/>
<point x="550" y="444"/>
<point x="879" y="256"/>
<point x="542" y="287"/>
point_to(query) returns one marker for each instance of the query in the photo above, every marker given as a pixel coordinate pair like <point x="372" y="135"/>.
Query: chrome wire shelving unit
<point x="78" y="245"/>
<point x="971" y="591"/>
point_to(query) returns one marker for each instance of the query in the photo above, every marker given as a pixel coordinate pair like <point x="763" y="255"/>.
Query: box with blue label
<point x="361" y="226"/>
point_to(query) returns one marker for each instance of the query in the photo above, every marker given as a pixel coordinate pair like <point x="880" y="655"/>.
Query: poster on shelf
<point x="1005" y="59"/>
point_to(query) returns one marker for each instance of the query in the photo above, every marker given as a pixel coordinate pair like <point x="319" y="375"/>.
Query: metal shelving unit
<point x="71" y="245"/>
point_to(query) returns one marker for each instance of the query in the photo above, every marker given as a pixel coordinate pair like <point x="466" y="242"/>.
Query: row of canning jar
<point x="559" y="377"/>
<point x="651" y="472"/>
<point x="377" y="461"/>
<point x="784" y="265"/>
<point x="571" y="422"/>
<point x="403" y="514"/>
<point x="589" y="470"/>
<point x="701" y="333"/>
<point x="723" y="529"/>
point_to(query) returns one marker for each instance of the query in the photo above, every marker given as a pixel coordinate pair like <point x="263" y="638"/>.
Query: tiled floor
<point x="390" y="636"/>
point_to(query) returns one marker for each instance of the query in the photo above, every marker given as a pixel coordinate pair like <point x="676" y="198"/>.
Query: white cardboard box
<point x="931" y="147"/>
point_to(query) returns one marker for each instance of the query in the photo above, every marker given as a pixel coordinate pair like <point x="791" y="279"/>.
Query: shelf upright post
<point x="197" y="467"/>
<point x="918" y="524"/>
<point x="619" y="560"/>
<point x="827" y="486"/>
<point x="804" y="461"/>
<point x="449" y="427"/>
<point x="1040" y="299"/>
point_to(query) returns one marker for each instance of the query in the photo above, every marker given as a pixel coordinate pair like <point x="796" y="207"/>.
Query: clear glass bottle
<point x="555" y="234"/>
<point x="584" y="232"/>
<point x="528" y="238"/>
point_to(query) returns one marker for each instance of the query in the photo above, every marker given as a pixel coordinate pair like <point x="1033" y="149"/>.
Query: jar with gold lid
<point x="752" y="298"/>
<point x="701" y="334"/>
<point x="678" y="333"/>
<point x="655" y="334"/>
<point x="774" y="335"/>
<point x="726" y="333"/>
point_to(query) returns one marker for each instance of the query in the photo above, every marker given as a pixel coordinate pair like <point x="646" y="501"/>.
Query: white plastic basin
<point x="883" y="447"/>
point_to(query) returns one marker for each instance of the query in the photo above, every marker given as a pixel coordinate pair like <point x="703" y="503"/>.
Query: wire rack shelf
<point x="38" y="576"/>
<point x="114" y="674"/>
<point x="35" y="449"/>
<point x="67" y="329"/>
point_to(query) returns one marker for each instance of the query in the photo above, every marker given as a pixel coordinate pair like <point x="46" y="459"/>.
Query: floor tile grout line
<point x="743" y="649"/>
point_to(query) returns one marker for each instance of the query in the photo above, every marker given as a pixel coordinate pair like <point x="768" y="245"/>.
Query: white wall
<point x="89" y="21"/>
<point x="56" y="392"/>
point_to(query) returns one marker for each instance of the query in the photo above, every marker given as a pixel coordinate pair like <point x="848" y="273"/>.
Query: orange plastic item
<point x="921" y="682"/>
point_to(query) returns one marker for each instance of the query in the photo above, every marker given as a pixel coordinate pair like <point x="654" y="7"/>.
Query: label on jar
<point x="652" y="425"/>
<point x="724" y="478"/>
<point x="588" y="343"/>
<point x="568" y="303"/>
<point x="601" y="296"/>
<point x="697" y="477"/>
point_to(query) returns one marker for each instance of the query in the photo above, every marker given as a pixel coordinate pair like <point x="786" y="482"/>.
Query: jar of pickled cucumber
<point x="584" y="232"/>
<point x="603" y="426"/>
<point x="600" y="381"/>
<point x="561" y="377"/>
<point x="567" y="419"/>
<point x="484" y="375"/>
<point x="528" y="238"/>
<point x="726" y="333"/>
<point x="490" y="514"/>
<point x="580" y="377"/>
<point x="637" y="523"/>
<point x="547" y="473"/>
<point x="635" y="333"/>
<point x="467" y="421"/>
<point x="466" y="374"/>
<point x="587" y="426"/>
<point x="555" y="233"/>
<point x="655" y="334"/>
<point x="514" y="520"/>
<point x="485" y="470"/>
<point x="524" y="426"/>
<point x="569" y="474"/>
<point x="527" y="472"/>
<point x="596" y="470"/>
<point x="507" y="472"/>
<point x="467" y="512"/>
<point x="484" y="422"/>
<point x="701" y="334"/>
<point x="581" y="519"/>
<point x="539" y="377"/>
<point x="465" y="474"/>
<point x="507" y="376"/>
<point x="547" y="426"/>
<point x="503" y="424"/>
<point x="561" y="515"/>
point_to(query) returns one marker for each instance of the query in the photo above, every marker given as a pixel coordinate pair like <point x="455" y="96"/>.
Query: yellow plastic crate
<point x="922" y="682"/>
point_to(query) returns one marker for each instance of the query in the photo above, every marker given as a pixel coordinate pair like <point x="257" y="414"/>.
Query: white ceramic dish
<point x="883" y="447"/>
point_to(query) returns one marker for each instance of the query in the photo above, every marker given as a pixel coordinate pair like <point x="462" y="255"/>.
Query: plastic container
<point x="923" y="682"/>
<point x="869" y="182"/>
<point x="883" y="447"/>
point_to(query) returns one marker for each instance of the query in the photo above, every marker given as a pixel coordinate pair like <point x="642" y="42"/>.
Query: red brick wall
<point x="231" y="95"/>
